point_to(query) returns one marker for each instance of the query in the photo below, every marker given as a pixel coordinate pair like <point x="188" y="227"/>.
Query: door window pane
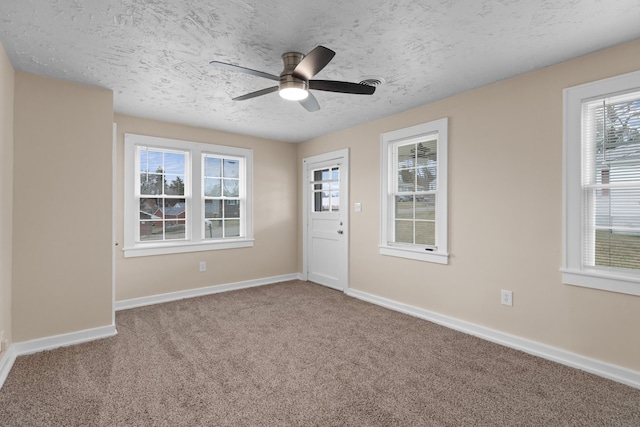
<point x="326" y="189"/>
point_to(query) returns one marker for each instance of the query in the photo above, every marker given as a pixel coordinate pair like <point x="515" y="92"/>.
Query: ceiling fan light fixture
<point x="294" y="91"/>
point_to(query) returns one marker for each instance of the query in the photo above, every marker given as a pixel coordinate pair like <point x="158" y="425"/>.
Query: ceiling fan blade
<point x="256" y="93"/>
<point x="342" y="87"/>
<point x="310" y="103"/>
<point x="315" y="61"/>
<point x="244" y="70"/>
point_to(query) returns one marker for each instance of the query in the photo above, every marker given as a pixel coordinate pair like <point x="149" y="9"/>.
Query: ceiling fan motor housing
<point x="290" y="83"/>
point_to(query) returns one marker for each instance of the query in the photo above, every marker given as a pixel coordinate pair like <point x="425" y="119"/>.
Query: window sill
<point x="435" y="257"/>
<point x="164" y="249"/>
<point x="602" y="280"/>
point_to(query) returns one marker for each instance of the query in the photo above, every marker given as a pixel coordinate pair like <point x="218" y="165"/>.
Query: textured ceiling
<point x="154" y="54"/>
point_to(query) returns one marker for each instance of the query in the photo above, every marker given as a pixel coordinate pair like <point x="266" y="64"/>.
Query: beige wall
<point x="275" y="214"/>
<point x="505" y="215"/>
<point x="7" y="76"/>
<point x="62" y="207"/>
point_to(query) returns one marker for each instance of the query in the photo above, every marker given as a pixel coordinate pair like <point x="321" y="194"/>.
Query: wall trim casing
<point x="597" y="367"/>
<point x="23" y="348"/>
<point x="208" y="290"/>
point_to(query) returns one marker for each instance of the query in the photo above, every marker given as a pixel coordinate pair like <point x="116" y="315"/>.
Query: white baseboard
<point x="191" y="293"/>
<point x="49" y="343"/>
<point x="6" y="363"/>
<point x="603" y="369"/>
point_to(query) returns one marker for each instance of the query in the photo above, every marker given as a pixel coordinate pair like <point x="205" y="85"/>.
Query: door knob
<point x="340" y="231"/>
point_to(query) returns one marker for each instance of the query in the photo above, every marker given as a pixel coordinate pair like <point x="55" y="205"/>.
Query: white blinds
<point x="611" y="181"/>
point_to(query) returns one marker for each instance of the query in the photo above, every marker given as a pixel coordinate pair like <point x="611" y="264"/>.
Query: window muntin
<point x="600" y="185"/>
<point x="414" y="192"/>
<point x="176" y="200"/>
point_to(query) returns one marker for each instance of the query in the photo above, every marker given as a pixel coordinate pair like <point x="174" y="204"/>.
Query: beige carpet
<point x="300" y="354"/>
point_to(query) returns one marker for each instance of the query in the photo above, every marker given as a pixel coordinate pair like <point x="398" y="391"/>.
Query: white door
<point x="326" y="233"/>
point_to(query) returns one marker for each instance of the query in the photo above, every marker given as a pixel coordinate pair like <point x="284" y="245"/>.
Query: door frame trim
<point x="343" y="155"/>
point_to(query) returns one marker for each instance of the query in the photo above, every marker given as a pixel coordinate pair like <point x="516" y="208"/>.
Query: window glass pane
<point x="212" y="187"/>
<point x="406" y="180"/>
<point x="317" y="201"/>
<point x="335" y="174"/>
<point x="427" y="153"/>
<point x="335" y="201"/>
<point x="406" y="156"/>
<point x="150" y="230"/>
<point x="231" y="168"/>
<point x="324" y="206"/>
<point x="404" y="231"/>
<point x="326" y="175"/>
<point x="231" y="188"/>
<point x="424" y="179"/>
<point x="426" y="207"/>
<point x="150" y="161"/>
<point x="212" y="167"/>
<point x="174" y="163"/>
<point x="143" y="159"/>
<point x="213" y="229"/>
<point x="151" y="184"/>
<point x="404" y="207"/>
<point x="174" y="229"/>
<point x="618" y="208"/>
<point x="425" y="233"/>
<point x="150" y="208"/>
<point x="617" y="249"/>
<point x="213" y="209"/>
<point x="144" y="183"/>
<point x="232" y="228"/>
<point x="174" y="208"/>
<point x="174" y="185"/>
<point x="231" y="209"/>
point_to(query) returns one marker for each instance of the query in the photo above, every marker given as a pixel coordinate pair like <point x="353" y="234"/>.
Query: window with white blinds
<point x="601" y="185"/>
<point x="611" y="181"/>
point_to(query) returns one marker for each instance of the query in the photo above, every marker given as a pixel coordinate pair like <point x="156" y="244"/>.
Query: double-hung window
<point x="602" y="185"/>
<point x="184" y="196"/>
<point x="414" y="192"/>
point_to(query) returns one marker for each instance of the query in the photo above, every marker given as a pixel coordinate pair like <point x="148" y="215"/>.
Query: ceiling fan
<point x="295" y="81"/>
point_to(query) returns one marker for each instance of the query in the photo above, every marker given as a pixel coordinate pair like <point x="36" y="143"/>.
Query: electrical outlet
<point x="506" y="298"/>
<point x="203" y="266"/>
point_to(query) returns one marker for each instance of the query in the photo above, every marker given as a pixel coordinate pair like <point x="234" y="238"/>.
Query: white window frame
<point x="439" y="253"/>
<point x="574" y="272"/>
<point x="195" y="240"/>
